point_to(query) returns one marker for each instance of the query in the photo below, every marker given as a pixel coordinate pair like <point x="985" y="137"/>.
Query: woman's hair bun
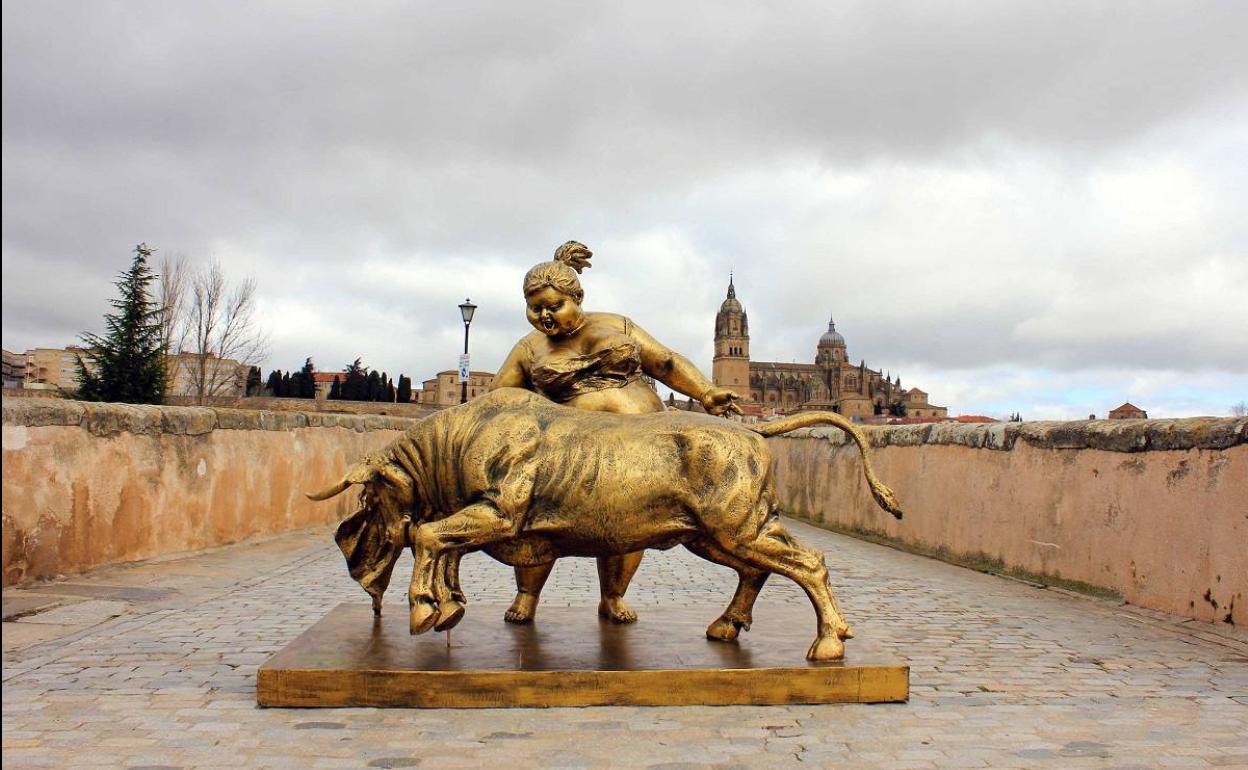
<point x="574" y="254"/>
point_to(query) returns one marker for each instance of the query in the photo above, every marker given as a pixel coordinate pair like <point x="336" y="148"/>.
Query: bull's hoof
<point x="423" y="615"/>
<point x="449" y="615"/>
<point x="723" y="630"/>
<point x="846" y="633"/>
<point x="615" y="610"/>
<point x="522" y="609"/>
<point x="826" y="648"/>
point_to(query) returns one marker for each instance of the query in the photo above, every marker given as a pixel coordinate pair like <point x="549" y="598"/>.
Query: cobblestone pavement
<point x="153" y="666"/>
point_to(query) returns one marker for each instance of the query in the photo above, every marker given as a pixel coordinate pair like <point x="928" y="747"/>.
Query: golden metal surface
<point x="567" y="658"/>
<point x="592" y="361"/>
<point x="528" y="481"/>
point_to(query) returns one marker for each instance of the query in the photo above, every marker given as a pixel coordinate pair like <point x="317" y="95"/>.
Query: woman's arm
<point x="514" y="372"/>
<point x="676" y="372"/>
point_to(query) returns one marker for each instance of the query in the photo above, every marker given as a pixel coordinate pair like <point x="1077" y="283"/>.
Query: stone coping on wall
<point x="1107" y="435"/>
<point x="106" y="419"/>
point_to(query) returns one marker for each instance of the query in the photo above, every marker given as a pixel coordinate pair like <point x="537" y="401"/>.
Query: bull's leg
<point x="447" y="593"/>
<point x="529" y="582"/>
<point x="475" y="526"/>
<point x="775" y="550"/>
<point x="750" y="580"/>
<point x="614" y="575"/>
<point x="451" y="573"/>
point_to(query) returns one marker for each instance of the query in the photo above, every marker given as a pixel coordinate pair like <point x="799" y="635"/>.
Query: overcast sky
<point x="1039" y="207"/>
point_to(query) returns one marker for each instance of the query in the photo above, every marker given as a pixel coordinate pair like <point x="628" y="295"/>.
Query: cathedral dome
<point x="831" y="338"/>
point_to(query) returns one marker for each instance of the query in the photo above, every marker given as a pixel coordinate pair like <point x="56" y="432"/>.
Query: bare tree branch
<point x="171" y="295"/>
<point x="223" y="327"/>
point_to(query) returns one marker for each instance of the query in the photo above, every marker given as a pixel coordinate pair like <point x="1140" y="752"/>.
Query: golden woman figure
<point x="592" y="361"/>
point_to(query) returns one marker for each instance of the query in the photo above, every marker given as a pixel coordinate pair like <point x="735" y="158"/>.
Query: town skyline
<point x="433" y="380"/>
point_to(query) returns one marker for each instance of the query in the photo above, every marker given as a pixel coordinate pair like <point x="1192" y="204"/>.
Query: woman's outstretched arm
<point x="678" y="373"/>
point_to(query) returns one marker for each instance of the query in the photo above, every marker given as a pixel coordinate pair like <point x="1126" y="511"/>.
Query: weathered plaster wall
<point x="91" y="484"/>
<point x="1155" y="510"/>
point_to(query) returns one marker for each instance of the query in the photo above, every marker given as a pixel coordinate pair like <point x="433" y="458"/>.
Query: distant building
<point x="831" y="383"/>
<point x="325" y="382"/>
<point x="57" y="369"/>
<point x="221" y="377"/>
<point x="444" y="388"/>
<point x="54" y="368"/>
<point x="14" y="370"/>
<point x="1128" y="411"/>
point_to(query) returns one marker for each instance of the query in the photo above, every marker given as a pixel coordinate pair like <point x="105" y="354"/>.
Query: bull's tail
<point x="882" y="494"/>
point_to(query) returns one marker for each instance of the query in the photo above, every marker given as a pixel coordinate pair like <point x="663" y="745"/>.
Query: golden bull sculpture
<point x="529" y="481"/>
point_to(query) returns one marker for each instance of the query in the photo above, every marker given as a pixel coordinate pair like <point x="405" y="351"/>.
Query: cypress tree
<point x="404" y="393"/>
<point x="372" y="390"/>
<point x="253" y="381"/>
<point x="274" y="383"/>
<point x="127" y="364"/>
<point x="335" y="390"/>
<point x="307" y="383"/>
<point x="287" y="385"/>
<point x="355" y="384"/>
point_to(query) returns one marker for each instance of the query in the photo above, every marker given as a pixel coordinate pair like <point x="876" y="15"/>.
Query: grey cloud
<point x="924" y="170"/>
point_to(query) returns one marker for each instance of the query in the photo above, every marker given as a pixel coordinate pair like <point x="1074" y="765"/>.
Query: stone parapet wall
<point x="269" y="403"/>
<point x="87" y="484"/>
<point x="1153" y="510"/>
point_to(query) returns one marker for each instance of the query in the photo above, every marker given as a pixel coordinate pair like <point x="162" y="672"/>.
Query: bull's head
<point x="364" y="471"/>
<point x="373" y="537"/>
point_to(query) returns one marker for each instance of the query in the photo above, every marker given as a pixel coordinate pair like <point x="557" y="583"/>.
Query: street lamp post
<point x="466" y="310"/>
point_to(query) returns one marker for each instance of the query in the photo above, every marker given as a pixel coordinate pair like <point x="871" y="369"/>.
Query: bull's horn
<point x="329" y="492"/>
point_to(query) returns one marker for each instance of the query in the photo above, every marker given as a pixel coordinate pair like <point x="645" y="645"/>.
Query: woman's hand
<point x="718" y="401"/>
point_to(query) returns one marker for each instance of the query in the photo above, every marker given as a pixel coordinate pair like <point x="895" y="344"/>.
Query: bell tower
<point x="730" y="368"/>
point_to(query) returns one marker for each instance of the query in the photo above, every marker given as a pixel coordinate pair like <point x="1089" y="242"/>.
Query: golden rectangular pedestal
<point x="568" y="657"/>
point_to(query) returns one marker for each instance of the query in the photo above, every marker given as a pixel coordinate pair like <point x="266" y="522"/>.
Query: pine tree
<point x="335" y="390"/>
<point x="127" y="364"/>
<point x="404" y="393"/>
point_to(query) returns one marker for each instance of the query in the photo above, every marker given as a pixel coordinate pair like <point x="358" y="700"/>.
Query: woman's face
<point x="552" y="312"/>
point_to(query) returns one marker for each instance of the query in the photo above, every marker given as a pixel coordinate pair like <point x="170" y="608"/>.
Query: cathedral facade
<point x="831" y="383"/>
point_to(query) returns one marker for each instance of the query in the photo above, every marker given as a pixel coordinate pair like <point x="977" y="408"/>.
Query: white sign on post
<point x="463" y="368"/>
